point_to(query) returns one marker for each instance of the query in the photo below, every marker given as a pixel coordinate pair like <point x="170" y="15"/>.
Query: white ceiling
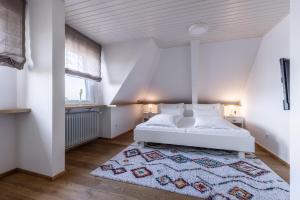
<point x="167" y="21"/>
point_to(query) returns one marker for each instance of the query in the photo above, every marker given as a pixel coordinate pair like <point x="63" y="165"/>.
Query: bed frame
<point x="240" y="143"/>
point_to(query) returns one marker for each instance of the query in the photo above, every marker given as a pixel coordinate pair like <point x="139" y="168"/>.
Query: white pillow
<point x="211" y="122"/>
<point x="205" y="112"/>
<point x="165" y="120"/>
<point x="216" y="106"/>
<point x="172" y="109"/>
<point x="176" y="105"/>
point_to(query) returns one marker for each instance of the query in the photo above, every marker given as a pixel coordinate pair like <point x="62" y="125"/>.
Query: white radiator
<point x="81" y="126"/>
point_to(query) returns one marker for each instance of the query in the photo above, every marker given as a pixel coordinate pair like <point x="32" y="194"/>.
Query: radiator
<point x="81" y="126"/>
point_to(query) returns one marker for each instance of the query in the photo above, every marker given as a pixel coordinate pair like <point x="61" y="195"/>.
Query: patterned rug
<point x="204" y="173"/>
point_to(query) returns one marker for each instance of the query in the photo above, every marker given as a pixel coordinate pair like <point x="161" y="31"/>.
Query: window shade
<point x="12" y="33"/>
<point x="82" y="55"/>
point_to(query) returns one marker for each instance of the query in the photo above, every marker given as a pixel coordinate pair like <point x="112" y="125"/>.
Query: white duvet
<point x="200" y="122"/>
<point x="211" y="122"/>
<point x="164" y="120"/>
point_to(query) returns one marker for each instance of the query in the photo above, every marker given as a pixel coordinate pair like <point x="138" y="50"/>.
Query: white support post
<point x="195" y="48"/>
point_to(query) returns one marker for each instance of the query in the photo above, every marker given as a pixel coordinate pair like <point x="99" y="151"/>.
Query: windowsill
<point x="75" y="106"/>
<point x="78" y="102"/>
<point x="89" y="106"/>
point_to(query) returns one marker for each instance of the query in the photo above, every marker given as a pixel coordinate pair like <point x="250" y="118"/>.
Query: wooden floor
<point x="78" y="184"/>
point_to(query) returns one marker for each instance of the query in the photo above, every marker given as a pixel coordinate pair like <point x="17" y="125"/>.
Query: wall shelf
<point x="15" y="111"/>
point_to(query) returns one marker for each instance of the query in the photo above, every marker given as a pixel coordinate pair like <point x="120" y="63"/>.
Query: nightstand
<point x="145" y="119"/>
<point x="147" y="116"/>
<point x="238" y="121"/>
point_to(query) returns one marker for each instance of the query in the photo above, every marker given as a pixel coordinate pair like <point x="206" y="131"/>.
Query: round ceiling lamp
<point x="196" y="30"/>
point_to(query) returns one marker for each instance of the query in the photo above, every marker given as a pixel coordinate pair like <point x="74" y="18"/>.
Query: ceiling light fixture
<point x="196" y="30"/>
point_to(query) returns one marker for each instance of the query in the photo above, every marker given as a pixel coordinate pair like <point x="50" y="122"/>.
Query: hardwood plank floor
<point x="77" y="184"/>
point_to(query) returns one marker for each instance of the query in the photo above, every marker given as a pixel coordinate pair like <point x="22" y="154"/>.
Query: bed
<point x="184" y="132"/>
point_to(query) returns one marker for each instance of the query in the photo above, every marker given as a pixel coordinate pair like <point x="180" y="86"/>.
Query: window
<point x="80" y="90"/>
<point x="12" y="33"/>
<point x="82" y="67"/>
<point x="76" y="90"/>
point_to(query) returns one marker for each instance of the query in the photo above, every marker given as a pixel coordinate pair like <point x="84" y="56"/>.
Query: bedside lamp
<point x="149" y="110"/>
<point x="232" y="110"/>
<point x="232" y="113"/>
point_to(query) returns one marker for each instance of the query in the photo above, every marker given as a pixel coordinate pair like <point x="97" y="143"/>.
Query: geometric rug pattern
<point x="204" y="173"/>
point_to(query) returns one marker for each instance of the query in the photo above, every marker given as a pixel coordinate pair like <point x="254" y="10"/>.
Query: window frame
<point x="87" y="100"/>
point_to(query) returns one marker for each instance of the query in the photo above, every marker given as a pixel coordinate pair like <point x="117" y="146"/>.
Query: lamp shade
<point x="150" y="108"/>
<point x="145" y="108"/>
<point x="154" y="108"/>
<point x="232" y="110"/>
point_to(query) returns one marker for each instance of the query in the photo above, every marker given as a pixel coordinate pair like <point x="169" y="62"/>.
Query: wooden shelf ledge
<point x="15" y="111"/>
<point x="89" y="106"/>
<point x="83" y="106"/>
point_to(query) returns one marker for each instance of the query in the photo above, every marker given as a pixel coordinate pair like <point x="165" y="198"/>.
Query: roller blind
<point x="82" y="55"/>
<point x="12" y="33"/>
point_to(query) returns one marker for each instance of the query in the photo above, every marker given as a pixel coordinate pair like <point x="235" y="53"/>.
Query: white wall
<point x="120" y="119"/>
<point x="8" y="87"/>
<point x="139" y="70"/>
<point x="295" y="98"/>
<point x="7" y="143"/>
<point x="125" y="118"/>
<point x="264" y="114"/>
<point x="222" y="72"/>
<point x="171" y="80"/>
<point x="8" y="96"/>
<point x="58" y="83"/>
<point x="224" y="68"/>
<point x="40" y="138"/>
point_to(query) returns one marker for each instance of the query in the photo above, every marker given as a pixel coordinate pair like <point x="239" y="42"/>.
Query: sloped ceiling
<point x="117" y="61"/>
<point x="135" y="87"/>
<point x="224" y="69"/>
<point x="127" y="70"/>
<point x="167" y="21"/>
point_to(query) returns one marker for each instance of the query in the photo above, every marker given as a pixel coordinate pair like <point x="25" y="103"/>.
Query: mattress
<point x="186" y="125"/>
